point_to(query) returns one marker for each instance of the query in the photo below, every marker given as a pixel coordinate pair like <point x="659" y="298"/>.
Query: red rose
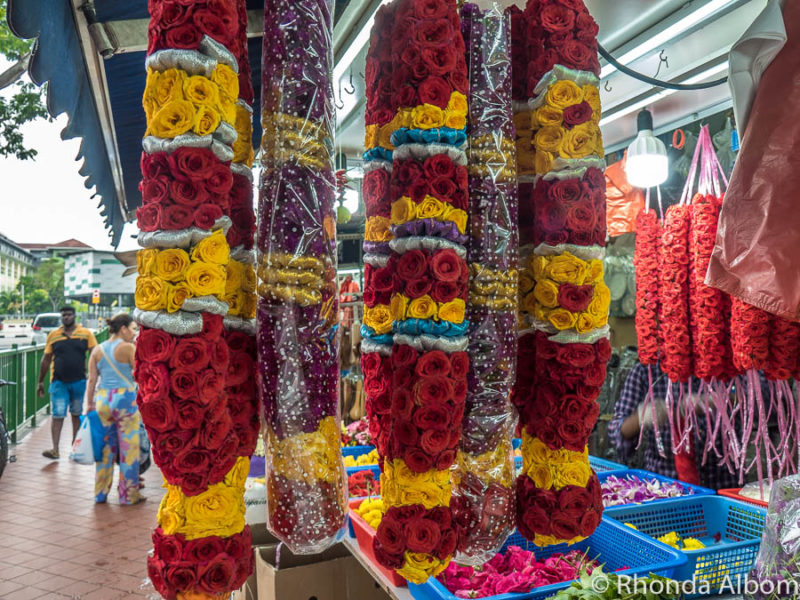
<point x="582" y="216"/>
<point x="431" y="417"/>
<point x="551" y="216"/>
<point x="439" y="60"/>
<point x="459" y="81"/>
<point x="557" y="18"/>
<point x="402" y="403"/>
<point x="577" y="114"/>
<point x="155" y="190"/>
<point x="195" y="164"/>
<point x="209" y="386"/>
<point x="192" y="460"/>
<point x="417" y="460"/>
<point x="171" y="14"/>
<point x="181" y="576"/>
<point x="153" y="379"/>
<point x="391" y="536"/>
<point x="375" y="185"/>
<point x="430" y="9"/>
<point x="595" y="374"/>
<point x="216" y="576"/>
<point x="186" y="36"/>
<point x="220" y="180"/>
<point x="572" y="433"/>
<point x="403" y="356"/>
<point x="602" y="349"/>
<point x="535" y="519"/>
<point x="439" y="165"/>
<point x="578" y="55"/>
<point x="446" y="265"/>
<point x="408" y="171"/>
<point x="443" y="188"/>
<point x="587" y="28"/>
<point x="238" y="546"/>
<point x="155" y="571"/>
<point x="240" y="368"/>
<point x="595" y="178"/>
<point x="418" y="287"/>
<point x="459" y="390"/>
<point x="434" y="90"/>
<point x="190" y="414"/>
<point x="183" y="383"/>
<point x="241" y="194"/>
<point x="155" y="165"/>
<point x="148" y="217"/>
<point x="575" y="298"/>
<point x="433" y="364"/>
<point x="548" y="435"/>
<point x="371" y="364"/>
<point x="434" y="441"/>
<point x="154" y="345"/>
<point x="459" y="364"/>
<point x="402" y="378"/>
<point x="433" y="389"/>
<point x="214" y="433"/>
<point x="417" y="190"/>
<point x="445" y="460"/>
<point x="172" y="442"/>
<point x="589" y="522"/>
<point x="422" y="535"/>
<point x="405" y="433"/>
<point x="590" y="418"/>
<point x="176" y="216"/>
<point x="413" y="264"/>
<point x="157" y="413"/>
<point x="385" y="558"/>
<point x="206" y="215"/>
<point x="564" y="528"/>
<point x="191" y="353"/>
<point x="445" y="291"/>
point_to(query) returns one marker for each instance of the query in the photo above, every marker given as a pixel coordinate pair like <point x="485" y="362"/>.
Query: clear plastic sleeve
<point x="483" y="494"/>
<point x="297" y="308"/>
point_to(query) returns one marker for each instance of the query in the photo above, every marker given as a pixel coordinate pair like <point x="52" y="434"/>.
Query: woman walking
<point x="112" y="362"/>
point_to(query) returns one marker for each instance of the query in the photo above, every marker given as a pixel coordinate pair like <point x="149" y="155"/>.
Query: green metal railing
<point x="20" y="404"/>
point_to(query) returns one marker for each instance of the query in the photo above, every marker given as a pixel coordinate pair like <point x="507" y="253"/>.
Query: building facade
<point x="86" y="272"/>
<point x="15" y="262"/>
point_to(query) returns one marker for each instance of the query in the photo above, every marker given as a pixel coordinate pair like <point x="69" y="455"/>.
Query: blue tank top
<point x="109" y="379"/>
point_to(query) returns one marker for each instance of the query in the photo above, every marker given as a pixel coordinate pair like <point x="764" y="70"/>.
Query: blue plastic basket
<point x="738" y="524"/>
<point x="612" y="544"/>
<point x="601" y="465"/>
<point x="356" y="450"/>
<point x="691" y="490"/>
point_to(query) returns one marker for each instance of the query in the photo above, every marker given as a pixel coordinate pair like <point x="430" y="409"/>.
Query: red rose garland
<point x="183" y="24"/>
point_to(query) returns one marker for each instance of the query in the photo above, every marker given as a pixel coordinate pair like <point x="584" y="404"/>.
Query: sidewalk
<point x="56" y="543"/>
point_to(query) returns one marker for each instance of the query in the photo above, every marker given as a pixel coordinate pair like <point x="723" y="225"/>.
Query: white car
<point x="43" y="324"/>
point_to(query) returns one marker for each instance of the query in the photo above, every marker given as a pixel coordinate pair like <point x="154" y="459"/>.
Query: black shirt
<point x="69" y="353"/>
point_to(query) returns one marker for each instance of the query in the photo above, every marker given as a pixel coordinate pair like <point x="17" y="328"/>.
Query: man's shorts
<point x="67" y="394"/>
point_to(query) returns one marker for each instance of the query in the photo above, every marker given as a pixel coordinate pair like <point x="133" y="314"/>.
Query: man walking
<point x="65" y="356"/>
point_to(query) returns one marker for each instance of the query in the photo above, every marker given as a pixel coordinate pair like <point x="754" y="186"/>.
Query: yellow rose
<point x="592" y="95"/>
<point x="199" y="90"/>
<point x="243" y="152"/>
<point x="572" y="473"/>
<point x="169" y="520"/>
<point x="237" y="476"/>
<point x="457" y="216"/>
<point x="580" y="141"/>
<point x="458" y="103"/>
<point x="529" y="304"/>
<point x="234" y="300"/>
<point x="227" y="80"/>
<point x="541" y="476"/>
<point x="453" y="311"/>
<point x="150" y="294"/>
<point x="595" y="274"/>
<point x="430" y="208"/>
<point x="522" y="121"/>
<point x="413" y="574"/>
<point x="169" y="86"/>
<point x="422" y="308"/>
<point x="601" y="301"/>
<point x="371" y="137"/>
<point x="249" y="306"/>
<point x="196" y="595"/>
<point x="248" y="278"/>
<point x="543" y="161"/>
<point x="549" y="139"/>
<point x="377" y="229"/>
<point x="548" y="116"/>
<point x="534" y="449"/>
<point x="454" y="121"/>
<point x="427" y="116"/>
<point x="379" y="317"/>
<point x="172" y="119"/>
<point x="585" y="323"/>
<point x="398" y="307"/>
<point x="539" y="266"/>
<point x="206" y="120"/>
<point x="217" y="511"/>
<point x="171" y="264"/>
<point x="561" y="319"/>
<point x="385" y="136"/>
<point x="206" y="279"/>
<point x="176" y="294"/>
<point x="403" y="210"/>
<point x="228" y="111"/>
<point x="234" y="273"/>
<point x="145" y="260"/>
<point x="564" y="93"/>
<point x="546" y="293"/>
<point x="404" y="118"/>
<point x="526" y="282"/>
<point x="540" y="313"/>
<point x="567" y="268"/>
<point x="598" y="142"/>
<point x="213" y="249"/>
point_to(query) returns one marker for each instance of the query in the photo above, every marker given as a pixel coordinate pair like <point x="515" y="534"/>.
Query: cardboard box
<point x="332" y="575"/>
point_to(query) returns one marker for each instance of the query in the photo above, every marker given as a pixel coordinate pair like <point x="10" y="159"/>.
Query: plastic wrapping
<point x="297" y="308"/>
<point x="777" y="568"/>
<point x="623" y="201"/>
<point x="755" y="248"/>
<point x="561" y="288"/>
<point x="483" y="495"/>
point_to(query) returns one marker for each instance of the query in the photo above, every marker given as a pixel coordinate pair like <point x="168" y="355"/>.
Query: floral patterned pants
<point x="120" y="417"/>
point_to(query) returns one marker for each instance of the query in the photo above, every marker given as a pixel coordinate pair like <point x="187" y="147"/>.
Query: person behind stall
<point x="112" y="362"/>
<point x="65" y="358"/>
<point x="632" y="414"/>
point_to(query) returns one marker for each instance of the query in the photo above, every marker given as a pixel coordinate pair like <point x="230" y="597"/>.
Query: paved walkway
<point x="56" y="543"/>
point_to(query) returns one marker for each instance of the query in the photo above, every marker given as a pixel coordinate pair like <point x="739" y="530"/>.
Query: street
<point x="7" y="342"/>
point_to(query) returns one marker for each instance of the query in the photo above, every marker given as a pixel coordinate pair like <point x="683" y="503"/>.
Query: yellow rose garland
<point x="308" y="457"/>
<point x="425" y="307"/>
<point x="405" y="209"/>
<point x="379" y="317"/>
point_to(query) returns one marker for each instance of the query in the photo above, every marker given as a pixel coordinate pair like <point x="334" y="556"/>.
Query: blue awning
<point x="110" y="162"/>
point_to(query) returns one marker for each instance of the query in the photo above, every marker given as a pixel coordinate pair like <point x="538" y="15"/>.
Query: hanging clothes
<point x="755" y="254"/>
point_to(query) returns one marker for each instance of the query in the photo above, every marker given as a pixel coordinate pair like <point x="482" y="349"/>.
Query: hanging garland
<point x="189" y="279"/>
<point x="416" y="536"/>
<point x="297" y="342"/>
<point x="647" y="268"/>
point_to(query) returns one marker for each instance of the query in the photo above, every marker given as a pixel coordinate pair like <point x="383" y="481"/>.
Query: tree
<point x="47" y="279"/>
<point x="10" y="302"/>
<point x="25" y="103"/>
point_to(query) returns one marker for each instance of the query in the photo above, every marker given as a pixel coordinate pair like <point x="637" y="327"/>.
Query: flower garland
<point x="483" y="480"/>
<point x="562" y="294"/>
<point x="647" y="267"/>
<point x="429" y="364"/>
<point x="297" y="344"/>
<point x="197" y="411"/>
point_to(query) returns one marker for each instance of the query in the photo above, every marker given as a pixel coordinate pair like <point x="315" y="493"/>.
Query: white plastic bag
<point x="82" y="449"/>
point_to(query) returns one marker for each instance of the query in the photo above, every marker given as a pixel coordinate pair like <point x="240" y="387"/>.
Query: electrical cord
<point x="657" y="82"/>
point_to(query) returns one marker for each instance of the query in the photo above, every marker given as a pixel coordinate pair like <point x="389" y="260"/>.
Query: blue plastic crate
<point x="739" y="526"/>
<point x="516" y="443"/>
<point x="356" y="450"/>
<point x="691" y="490"/>
<point x="601" y="465"/>
<point x="612" y="544"/>
<point x="374" y="468"/>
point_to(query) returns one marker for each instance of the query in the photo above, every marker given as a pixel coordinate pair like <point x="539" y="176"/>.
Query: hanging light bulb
<point x="647" y="164"/>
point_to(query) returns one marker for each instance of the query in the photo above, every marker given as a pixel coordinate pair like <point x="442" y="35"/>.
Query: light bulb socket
<point x="644" y="121"/>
